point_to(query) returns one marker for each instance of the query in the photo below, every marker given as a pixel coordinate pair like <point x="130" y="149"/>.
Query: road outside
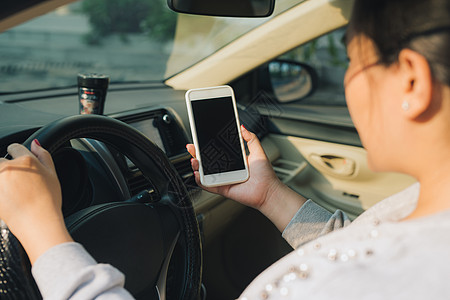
<point x="50" y="51"/>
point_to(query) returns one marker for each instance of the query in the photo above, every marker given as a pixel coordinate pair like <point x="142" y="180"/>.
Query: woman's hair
<point x="420" y="25"/>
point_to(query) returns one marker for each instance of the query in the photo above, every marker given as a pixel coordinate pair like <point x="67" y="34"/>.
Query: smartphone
<point x="217" y="136"/>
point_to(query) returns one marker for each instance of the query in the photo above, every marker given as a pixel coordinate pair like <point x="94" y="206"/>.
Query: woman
<point x="398" y="93"/>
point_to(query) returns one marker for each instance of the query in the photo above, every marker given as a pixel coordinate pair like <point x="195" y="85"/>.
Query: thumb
<point x="43" y="156"/>
<point x="253" y="143"/>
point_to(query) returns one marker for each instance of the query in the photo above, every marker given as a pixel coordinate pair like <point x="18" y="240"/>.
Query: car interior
<point x="129" y="193"/>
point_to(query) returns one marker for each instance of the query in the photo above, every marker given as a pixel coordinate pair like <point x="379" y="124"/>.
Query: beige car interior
<point x="275" y="37"/>
<point x="334" y="176"/>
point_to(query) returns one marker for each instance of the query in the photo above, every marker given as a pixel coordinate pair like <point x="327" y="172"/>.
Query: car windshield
<point x="128" y="40"/>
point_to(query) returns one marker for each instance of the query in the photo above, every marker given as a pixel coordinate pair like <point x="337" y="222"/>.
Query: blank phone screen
<point x="217" y="135"/>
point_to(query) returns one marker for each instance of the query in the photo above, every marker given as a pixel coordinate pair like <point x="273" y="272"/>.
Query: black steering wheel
<point x="140" y="239"/>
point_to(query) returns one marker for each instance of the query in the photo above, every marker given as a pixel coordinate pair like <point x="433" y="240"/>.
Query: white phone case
<point x="225" y="177"/>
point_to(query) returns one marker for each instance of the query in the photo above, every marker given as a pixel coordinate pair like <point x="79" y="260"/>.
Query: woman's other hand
<point x="30" y="199"/>
<point x="263" y="190"/>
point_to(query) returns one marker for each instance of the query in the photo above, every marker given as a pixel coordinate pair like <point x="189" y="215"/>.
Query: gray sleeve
<point x="67" y="271"/>
<point x="312" y="221"/>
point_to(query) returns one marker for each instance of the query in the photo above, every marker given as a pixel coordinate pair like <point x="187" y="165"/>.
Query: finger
<point x="43" y="156"/>
<point x="253" y="144"/>
<point x="195" y="164"/>
<point x="197" y="180"/>
<point x="191" y="149"/>
<point x="17" y="150"/>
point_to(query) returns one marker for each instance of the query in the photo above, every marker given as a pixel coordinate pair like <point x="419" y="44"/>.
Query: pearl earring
<point x="405" y="105"/>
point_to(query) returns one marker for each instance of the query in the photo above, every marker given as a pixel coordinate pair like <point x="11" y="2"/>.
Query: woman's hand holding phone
<point x="253" y="191"/>
<point x="263" y="190"/>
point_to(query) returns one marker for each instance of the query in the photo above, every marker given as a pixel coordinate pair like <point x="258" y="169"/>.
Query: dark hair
<point x="420" y="25"/>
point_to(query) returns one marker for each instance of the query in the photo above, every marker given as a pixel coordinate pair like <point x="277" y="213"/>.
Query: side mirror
<point x="291" y="80"/>
<point x="224" y="8"/>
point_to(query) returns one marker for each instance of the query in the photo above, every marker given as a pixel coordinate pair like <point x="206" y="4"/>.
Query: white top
<point x="67" y="271"/>
<point x="375" y="257"/>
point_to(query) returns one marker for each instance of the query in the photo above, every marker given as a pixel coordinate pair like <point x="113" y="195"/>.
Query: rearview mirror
<point x="291" y="80"/>
<point x="224" y="8"/>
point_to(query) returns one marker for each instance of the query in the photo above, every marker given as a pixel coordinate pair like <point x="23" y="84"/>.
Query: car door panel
<point x="334" y="175"/>
<point x="313" y="130"/>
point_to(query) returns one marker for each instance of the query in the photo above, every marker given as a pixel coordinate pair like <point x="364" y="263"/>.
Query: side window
<point x="327" y="56"/>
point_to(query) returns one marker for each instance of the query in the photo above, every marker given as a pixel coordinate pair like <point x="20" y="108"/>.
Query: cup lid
<point x="93" y="80"/>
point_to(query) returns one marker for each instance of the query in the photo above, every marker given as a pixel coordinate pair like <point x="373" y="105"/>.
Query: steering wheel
<point x="140" y="239"/>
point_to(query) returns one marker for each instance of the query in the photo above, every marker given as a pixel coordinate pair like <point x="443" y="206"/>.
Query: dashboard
<point x="164" y="128"/>
<point x="91" y="171"/>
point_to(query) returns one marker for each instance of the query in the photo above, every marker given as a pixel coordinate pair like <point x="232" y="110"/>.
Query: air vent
<point x="137" y="183"/>
<point x="184" y="169"/>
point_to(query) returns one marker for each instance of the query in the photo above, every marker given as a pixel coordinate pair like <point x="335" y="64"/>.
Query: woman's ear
<point x="417" y="84"/>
